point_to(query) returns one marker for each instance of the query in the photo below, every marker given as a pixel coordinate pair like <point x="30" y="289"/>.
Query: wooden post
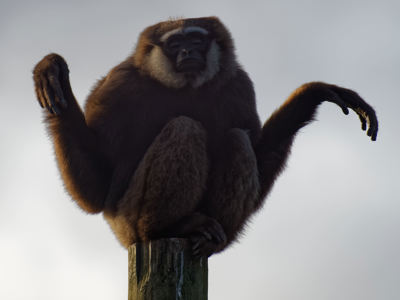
<point x="166" y="270"/>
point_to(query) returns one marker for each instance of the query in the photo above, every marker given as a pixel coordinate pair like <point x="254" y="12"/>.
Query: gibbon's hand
<point x="347" y="98"/>
<point x="51" y="81"/>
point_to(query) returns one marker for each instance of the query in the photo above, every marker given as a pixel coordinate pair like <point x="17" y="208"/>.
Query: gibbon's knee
<point x="179" y="147"/>
<point x="167" y="185"/>
<point x="182" y="129"/>
<point x="176" y="167"/>
<point x="235" y="185"/>
<point x="243" y="169"/>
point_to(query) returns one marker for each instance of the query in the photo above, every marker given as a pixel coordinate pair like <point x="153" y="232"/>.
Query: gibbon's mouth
<point x="190" y="65"/>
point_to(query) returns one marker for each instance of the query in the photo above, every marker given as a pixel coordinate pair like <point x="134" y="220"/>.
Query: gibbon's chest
<point x="160" y="106"/>
<point x="131" y="124"/>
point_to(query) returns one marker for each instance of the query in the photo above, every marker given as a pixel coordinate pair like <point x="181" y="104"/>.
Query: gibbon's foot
<point x="50" y="76"/>
<point x="202" y="247"/>
<point x="212" y="230"/>
<point x="208" y="238"/>
<point x="205" y="233"/>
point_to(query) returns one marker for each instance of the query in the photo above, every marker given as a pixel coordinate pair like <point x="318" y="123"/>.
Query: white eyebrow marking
<point x="181" y="30"/>
<point x="166" y="35"/>
<point x="195" y="29"/>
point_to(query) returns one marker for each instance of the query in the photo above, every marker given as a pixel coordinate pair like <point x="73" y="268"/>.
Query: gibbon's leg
<point x="298" y="110"/>
<point x="234" y="189"/>
<point x="167" y="185"/>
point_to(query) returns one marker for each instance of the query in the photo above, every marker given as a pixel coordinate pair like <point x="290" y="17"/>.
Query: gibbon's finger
<point x="374" y="135"/>
<point x="203" y="231"/>
<point x="373" y="125"/>
<point x="222" y="235"/>
<point x="373" y="131"/>
<point x="335" y="98"/>
<point x="195" y="240"/>
<point x="363" y="122"/>
<point x="219" y="233"/>
<point x="59" y="95"/>
<point x="343" y="107"/>
<point x="195" y="249"/>
<point x="368" y="120"/>
<point x="196" y="246"/>
<point x="369" y="114"/>
<point x="206" y="250"/>
<point x="39" y="92"/>
<point x="215" y="234"/>
<point x="207" y="235"/>
<point x="46" y="99"/>
<point x="369" y="132"/>
<point x="51" y="103"/>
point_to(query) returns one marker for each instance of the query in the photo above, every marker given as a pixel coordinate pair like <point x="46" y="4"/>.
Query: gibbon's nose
<point x="185" y="53"/>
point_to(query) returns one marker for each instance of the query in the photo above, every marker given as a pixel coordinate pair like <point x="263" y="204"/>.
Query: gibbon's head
<point x="186" y="52"/>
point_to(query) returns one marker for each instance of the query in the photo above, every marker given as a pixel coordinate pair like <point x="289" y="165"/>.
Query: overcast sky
<point x="330" y="228"/>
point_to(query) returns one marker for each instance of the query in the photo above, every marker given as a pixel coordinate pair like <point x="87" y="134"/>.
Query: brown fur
<point x="161" y="159"/>
<point x="175" y="167"/>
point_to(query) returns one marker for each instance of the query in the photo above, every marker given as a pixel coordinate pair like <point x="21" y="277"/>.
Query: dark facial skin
<point x="187" y="51"/>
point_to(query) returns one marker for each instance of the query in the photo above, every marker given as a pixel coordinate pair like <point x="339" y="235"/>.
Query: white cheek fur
<point x="212" y="67"/>
<point x="159" y="67"/>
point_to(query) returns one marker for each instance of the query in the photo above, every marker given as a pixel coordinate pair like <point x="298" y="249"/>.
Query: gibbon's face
<point x="186" y="55"/>
<point x="187" y="49"/>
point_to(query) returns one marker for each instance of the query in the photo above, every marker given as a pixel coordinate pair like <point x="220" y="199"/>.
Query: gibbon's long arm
<point x="298" y="110"/>
<point x="79" y="157"/>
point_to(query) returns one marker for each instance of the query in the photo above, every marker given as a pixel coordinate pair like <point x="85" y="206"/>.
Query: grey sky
<point x="330" y="228"/>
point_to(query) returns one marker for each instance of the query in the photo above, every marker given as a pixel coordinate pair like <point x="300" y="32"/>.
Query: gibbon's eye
<point x="196" y="41"/>
<point x="174" y="45"/>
